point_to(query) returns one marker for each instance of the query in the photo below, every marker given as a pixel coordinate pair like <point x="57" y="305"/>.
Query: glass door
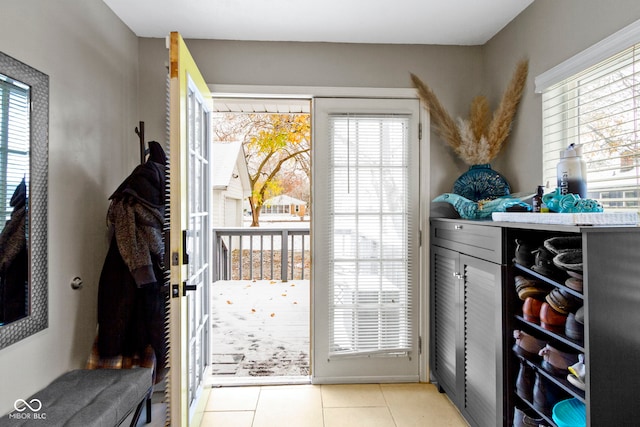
<point x="365" y="240"/>
<point x="190" y="147"/>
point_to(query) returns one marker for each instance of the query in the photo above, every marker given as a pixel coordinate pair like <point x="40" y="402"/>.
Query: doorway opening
<point x="260" y="306"/>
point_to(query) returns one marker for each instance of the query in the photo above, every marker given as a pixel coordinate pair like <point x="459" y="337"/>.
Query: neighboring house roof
<point x="283" y="199"/>
<point x="225" y="157"/>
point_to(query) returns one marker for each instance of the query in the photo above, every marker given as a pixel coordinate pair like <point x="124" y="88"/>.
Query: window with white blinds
<point x="14" y="140"/>
<point x="598" y="109"/>
<point x="370" y="292"/>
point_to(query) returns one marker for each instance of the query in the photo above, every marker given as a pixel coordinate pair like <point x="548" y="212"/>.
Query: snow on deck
<point x="260" y="328"/>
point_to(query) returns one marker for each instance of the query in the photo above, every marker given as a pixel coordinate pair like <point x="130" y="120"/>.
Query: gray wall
<point x="92" y="62"/>
<point x="548" y="33"/>
<point x="453" y="71"/>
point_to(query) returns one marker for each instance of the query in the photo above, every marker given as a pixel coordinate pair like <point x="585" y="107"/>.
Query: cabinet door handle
<point x="457" y="227"/>
<point x="457" y="275"/>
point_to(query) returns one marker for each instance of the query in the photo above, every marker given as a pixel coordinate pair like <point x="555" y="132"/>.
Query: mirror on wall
<point x="15" y="99"/>
<point x="24" y="129"/>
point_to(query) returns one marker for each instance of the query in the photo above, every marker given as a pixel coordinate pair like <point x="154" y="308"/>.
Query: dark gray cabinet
<point x="446" y="338"/>
<point x="482" y="341"/>
<point x="474" y="309"/>
<point x="466" y="326"/>
<point x="612" y="289"/>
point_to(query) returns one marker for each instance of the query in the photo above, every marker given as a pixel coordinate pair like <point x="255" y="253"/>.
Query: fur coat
<point x="131" y="301"/>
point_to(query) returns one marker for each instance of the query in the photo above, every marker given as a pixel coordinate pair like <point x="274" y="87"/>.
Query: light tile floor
<point x="361" y="405"/>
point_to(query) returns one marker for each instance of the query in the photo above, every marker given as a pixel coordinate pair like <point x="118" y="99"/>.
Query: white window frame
<point x="564" y="117"/>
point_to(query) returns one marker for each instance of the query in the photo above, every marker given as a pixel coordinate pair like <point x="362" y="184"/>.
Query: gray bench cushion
<point x="101" y="397"/>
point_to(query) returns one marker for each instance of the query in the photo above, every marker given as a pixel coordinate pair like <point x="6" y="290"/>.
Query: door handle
<point x="186" y="288"/>
<point x="185" y="254"/>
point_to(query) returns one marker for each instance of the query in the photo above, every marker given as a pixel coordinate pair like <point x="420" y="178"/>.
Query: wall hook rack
<point x="140" y="132"/>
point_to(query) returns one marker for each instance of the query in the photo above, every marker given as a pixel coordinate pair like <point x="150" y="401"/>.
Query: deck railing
<point x="261" y="253"/>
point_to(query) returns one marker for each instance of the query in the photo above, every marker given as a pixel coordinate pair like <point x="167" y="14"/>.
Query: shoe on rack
<point x="577" y="373"/>
<point x="522" y="419"/>
<point x="531" y="310"/>
<point x="574" y="329"/>
<point x="569" y="261"/>
<point x="551" y="320"/>
<point x="527" y="346"/>
<point x="576" y="382"/>
<point x="544" y="263"/>
<point x="557" y="362"/>
<point x="524" y="381"/>
<point x="576" y="274"/>
<point x="524" y="253"/>
<point x="574" y="283"/>
<point x="545" y="394"/>
<point x="580" y="316"/>
<point x="560" y="244"/>
<point x="526" y="288"/>
<point x="562" y="301"/>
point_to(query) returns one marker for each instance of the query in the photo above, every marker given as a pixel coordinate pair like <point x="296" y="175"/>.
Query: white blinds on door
<point x="370" y="292"/>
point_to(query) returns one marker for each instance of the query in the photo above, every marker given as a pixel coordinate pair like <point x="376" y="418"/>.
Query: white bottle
<point x="572" y="172"/>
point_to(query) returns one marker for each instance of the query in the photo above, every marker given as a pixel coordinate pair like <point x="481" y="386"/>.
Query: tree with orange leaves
<point x="273" y="144"/>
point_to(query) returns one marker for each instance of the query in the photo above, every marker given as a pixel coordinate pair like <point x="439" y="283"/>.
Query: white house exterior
<point x="231" y="184"/>
<point x="284" y="205"/>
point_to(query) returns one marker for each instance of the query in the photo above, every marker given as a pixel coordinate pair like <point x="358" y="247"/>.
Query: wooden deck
<point x="260" y="329"/>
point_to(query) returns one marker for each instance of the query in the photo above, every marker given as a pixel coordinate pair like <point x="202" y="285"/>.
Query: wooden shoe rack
<point x="472" y="280"/>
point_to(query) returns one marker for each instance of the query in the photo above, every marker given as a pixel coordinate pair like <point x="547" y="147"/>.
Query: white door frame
<point x="310" y="92"/>
<point x="379" y="366"/>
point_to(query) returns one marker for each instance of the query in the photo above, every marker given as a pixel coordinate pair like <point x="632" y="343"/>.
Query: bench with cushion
<point x="87" y="397"/>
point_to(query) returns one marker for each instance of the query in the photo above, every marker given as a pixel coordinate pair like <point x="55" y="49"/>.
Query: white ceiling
<point x="444" y="22"/>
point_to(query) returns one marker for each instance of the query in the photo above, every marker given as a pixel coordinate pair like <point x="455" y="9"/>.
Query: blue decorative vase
<point x="481" y="182"/>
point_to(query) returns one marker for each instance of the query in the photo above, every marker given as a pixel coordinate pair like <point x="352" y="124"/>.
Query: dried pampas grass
<point x="478" y="139"/>
<point x="445" y="125"/>
<point x="479" y="115"/>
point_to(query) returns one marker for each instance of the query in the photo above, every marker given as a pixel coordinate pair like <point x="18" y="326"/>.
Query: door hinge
<point x="419" y="131"/>
<point x="167" y="248"/>
<point x="419" y="345"/>
<point x="420" y="238"/>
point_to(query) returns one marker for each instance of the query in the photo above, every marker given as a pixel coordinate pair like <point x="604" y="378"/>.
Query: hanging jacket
<point x="131" y="305"/>
<point x="136" y="214"/>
